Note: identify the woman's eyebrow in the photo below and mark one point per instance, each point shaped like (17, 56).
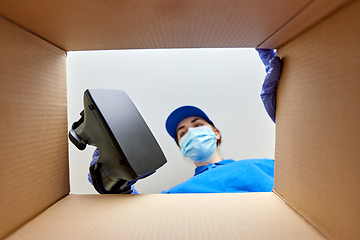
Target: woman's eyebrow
(180, 128)
(194, 120)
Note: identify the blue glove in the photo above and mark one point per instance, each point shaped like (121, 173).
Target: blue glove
(131, 183)
(94, 159)
(273, 66)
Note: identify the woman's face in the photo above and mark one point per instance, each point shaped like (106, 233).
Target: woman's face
(193, 122)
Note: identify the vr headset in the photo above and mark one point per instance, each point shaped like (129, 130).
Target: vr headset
(128, 150)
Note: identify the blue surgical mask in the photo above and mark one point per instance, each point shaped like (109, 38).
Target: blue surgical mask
(199, 144)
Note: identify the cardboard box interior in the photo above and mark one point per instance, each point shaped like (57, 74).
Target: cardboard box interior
(34, 163)
(93, 25)
(184, 216)
(317, 167)
(317, 138)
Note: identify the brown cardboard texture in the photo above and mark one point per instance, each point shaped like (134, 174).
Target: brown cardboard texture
(318, 125)
(92, 25)
(317, 132)
(306, 18)
(184, 216)
(33, 146)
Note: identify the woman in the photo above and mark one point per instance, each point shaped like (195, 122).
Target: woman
(195, 134)
(198, 139)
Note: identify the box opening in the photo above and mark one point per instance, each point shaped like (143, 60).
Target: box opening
(224, 82)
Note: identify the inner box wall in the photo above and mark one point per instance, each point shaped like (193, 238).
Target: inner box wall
(169, 216)
(317, 130)
(34, 154)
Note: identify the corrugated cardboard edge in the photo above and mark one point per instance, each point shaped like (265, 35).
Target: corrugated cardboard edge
(34, 161)
(308, 17)
(33, 33)
(284, 201)
(169, 216)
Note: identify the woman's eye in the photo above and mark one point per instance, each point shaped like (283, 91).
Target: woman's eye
(198, 125)
(182, 134)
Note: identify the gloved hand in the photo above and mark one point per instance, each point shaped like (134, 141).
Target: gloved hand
(130, 188)
(273, 65)
(94, 159)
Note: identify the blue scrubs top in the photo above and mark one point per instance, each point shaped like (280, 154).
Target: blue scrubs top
(229, 176)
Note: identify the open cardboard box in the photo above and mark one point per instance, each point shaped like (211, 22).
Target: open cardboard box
(317, 171)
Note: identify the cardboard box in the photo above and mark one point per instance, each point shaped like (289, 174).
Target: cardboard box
(317, 180)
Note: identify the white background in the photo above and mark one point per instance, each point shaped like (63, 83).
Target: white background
(225, 83)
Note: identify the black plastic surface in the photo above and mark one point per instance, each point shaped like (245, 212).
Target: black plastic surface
(76, 140)
(108, 186)
(127, 148)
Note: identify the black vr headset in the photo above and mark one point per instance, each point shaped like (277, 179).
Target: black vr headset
(128, 150)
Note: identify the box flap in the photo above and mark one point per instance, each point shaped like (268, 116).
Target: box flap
(317, 130)
(161, 216)
(34, 169)
(92, 24)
